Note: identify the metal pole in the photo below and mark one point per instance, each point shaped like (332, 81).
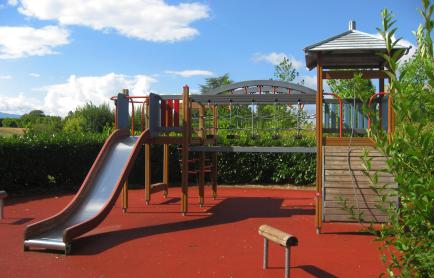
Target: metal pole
(265, 264)
(287, 258)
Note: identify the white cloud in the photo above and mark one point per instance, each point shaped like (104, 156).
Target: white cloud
(17, 42)
(13, 2)
(309, 81)
(190, 73)
(77, 91)
(410, 53)
(151, 20)
(403, 42)
(34, 74)
(275, 58)
(18, 104)
(5, 77)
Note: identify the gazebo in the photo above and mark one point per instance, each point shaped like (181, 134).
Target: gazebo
(340, 57)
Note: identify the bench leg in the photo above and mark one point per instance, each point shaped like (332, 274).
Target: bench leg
(265, 262)
(287, 260)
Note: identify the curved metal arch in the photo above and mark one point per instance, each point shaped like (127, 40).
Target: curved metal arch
(253, 86)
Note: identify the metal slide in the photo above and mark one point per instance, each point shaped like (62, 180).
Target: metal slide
(95, 198)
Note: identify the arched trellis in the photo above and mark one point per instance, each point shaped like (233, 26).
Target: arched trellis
(262, 86)
(259, 91)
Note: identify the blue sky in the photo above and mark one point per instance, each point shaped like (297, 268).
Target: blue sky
(57, 54)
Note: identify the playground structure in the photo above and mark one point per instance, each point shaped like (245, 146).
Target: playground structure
(167, 119)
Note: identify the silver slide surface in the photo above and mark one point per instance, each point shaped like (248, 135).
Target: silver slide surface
(105, 182)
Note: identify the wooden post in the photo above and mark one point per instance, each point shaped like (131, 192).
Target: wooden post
(201, 156)
(125, 197)
(3, 196)
(319, 98)
(147, 173)
(381, 89)
(125, 186)
(214, 154)
(185, 143)
(166, 169)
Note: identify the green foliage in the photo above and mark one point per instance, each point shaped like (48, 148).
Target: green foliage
(423, 33)
(9, 122)
(293, 168)
(357, 87)
(215, 82)
(89, 118)
(285, 71)
(46, 163)
(408, 240)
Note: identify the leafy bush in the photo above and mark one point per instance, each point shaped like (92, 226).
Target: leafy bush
(89, 118)
(408, 238)
(9, 122)
(46, 163)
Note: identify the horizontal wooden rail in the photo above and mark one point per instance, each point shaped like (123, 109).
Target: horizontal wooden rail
(277, 236)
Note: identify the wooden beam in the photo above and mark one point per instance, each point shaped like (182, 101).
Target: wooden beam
(125, 197)
(349, 74)
(165, 167)
(214, 155)
(147, 173)
(319, 134)
(356, 141)
(201, 156)
(185, 143)
(157, 187)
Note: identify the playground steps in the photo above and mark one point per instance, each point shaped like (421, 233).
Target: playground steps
(346, 185)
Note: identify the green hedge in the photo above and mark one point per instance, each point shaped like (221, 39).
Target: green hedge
(57, 163)
(44, 163)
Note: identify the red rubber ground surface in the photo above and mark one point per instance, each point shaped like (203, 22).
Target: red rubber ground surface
(220, 240)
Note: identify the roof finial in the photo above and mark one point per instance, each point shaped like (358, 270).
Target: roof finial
(352, 25)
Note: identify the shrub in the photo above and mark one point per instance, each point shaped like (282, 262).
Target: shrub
(46, 163)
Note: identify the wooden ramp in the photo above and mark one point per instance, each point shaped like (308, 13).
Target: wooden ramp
(344, 179)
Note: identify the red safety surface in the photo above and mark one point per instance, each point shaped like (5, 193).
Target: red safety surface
(219, 240)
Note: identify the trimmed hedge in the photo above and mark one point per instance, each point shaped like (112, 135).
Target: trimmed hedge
(58, 163)
(46, 163)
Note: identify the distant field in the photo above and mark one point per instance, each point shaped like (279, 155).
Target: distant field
(9, 131)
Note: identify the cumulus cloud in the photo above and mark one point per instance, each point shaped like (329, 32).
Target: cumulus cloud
(151, 20)
(18, 42)
(190, 73)
(19, 104)
(77, 91)
(5, 77)
(402, 42)
(275, 58)
(309, 81)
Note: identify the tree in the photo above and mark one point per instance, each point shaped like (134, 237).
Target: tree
(9, 122)
(215, 82)
(285, 71)
(357, 87)
(89, 118)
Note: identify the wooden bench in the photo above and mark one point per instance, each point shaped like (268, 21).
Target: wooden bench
(3, 196)
(283, 239)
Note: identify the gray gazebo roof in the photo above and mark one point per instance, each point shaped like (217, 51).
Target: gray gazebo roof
(350, 49)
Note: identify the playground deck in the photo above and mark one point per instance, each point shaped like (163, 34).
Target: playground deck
(219, 240)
